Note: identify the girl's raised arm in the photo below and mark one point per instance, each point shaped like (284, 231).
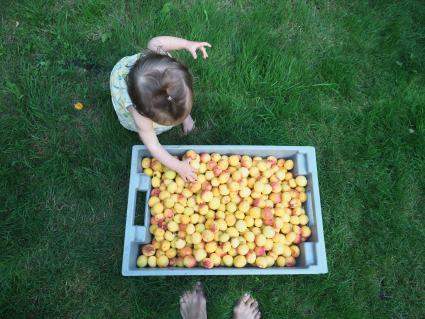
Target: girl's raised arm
(168, 43)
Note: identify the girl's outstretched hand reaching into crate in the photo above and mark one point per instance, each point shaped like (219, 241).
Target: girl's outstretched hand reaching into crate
(149, 138)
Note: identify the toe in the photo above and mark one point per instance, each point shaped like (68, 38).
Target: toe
(245, 298)
(199, 289)
(254, 305)
(257, 316)
(250, 301)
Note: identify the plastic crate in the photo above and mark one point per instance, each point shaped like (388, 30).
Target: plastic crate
(312, 259)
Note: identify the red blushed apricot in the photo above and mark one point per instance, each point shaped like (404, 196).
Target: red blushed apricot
(148, 250)
(169, 213)
(211, 165)
(268, 222)
(155, 192)
(205, 157)
(290, 261)
(172, 262)
(267, 213)
(207, 263)
(180, 262)
(260, 251)
(297, 240)
(189, 261)
(185, 251)
(162, 224)
(206, 186)
(217, 171)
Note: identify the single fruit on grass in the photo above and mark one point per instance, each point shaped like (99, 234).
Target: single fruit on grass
(142, 261)
(239, 261)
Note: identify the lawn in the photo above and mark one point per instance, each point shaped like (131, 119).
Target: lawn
(344, 76)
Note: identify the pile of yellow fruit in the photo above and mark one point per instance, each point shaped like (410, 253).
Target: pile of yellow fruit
(240, 211)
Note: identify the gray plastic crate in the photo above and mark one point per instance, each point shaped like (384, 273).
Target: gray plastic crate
(312, 259)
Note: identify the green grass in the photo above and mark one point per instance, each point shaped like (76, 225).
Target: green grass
(346, 77)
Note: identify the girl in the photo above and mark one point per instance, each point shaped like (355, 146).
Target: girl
(152, 92)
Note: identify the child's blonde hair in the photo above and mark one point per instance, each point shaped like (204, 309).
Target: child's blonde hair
(160, 88)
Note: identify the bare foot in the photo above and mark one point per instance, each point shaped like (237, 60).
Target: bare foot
(188, 125)
(193, 303)
(247, 308)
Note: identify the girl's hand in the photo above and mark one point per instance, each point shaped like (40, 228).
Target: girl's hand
(188, 125)
(187, 172)
(193, 46)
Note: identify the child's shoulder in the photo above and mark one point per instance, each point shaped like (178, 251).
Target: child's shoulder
(128, 61)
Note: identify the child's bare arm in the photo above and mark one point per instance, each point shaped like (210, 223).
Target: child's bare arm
(149, 138)
(168, 43)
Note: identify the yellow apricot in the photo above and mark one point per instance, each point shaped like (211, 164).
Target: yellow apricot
(227, 260)
(152, 261)
(239, 261)
(142, 261)
(211, 247)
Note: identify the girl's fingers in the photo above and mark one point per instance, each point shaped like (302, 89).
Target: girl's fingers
(193, 52)
(206, 44)
(204, 52)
